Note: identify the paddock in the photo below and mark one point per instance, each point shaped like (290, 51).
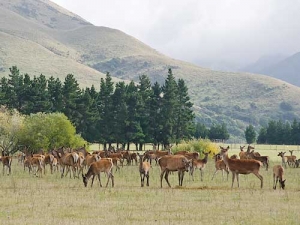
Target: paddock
(50, 199)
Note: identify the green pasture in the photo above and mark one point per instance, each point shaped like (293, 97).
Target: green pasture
(26, 199)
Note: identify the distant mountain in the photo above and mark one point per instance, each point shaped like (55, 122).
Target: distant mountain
(262, 63)
(280, 67)
(287, 70)
(40, 37)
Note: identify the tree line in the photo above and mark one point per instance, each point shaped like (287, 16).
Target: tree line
(118, 113)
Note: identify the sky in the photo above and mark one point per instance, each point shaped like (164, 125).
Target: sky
(211, 33)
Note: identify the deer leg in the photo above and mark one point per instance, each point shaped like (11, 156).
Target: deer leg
(99, 180)
(261, 179)
(215, 174)
(238, 179)
(92, 180)
(179, 177)
(142, 179)
(112, 179)
(274, 182)
(147, 176)
(233, 177)
(161, 176)
(201, 173)
(166, 177)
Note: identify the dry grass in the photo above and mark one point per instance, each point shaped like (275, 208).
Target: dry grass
(52, 200)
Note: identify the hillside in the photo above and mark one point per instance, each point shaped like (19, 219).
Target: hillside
(40, 37)
(283, 68)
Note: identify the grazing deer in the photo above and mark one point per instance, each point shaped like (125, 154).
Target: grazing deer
(278, 172)
(241, 166)
(6, 161)
(169, 163)
(144, 168)
(104, 165)
(199, 164)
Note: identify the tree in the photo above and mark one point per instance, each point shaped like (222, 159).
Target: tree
(134, 132)
(218, 131)
(10, 123)
(71, 97)
(184, 125)
(155, 117)
(105, 108)
(47, 131)
(169, 109)
(120, 113)
(201, 131)
(250, 134)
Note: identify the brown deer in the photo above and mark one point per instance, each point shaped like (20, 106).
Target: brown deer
(6, 161)
(199, 164)
(169, 163)
(242, 154)
(278, 172)
(104, 165)
(291, 160)
(144, 168)
(220, 165)
(67, 160)
(283, 159)
(241, 166)
(35, 164)
(263, 159)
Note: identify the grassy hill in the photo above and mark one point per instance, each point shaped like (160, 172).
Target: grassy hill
(41, 37)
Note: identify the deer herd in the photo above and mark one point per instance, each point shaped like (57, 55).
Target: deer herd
(74, 161)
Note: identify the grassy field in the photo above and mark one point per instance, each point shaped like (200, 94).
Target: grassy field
(51, 200)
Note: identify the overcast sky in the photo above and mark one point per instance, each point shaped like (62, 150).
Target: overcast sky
(236, 32)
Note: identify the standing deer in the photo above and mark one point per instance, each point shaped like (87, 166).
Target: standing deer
(241, 166)
(169, 163)
(6, 161)
(278, 172)
(199, 164)
(220, 165)
(144, 168)
(283, 162)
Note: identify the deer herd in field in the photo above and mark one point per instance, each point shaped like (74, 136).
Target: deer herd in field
(74, 161)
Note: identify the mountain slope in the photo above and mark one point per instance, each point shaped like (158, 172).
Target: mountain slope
(40, 37)
(287, 69)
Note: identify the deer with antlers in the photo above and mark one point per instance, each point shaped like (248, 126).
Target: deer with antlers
(278, 172)
(241, 166)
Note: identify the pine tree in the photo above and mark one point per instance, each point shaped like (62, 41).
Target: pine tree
(169, 109)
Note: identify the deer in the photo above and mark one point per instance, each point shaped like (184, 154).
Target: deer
(291, 160)
(169, 163)
(67, 160)
(104, 165)
(241, 166)
(199, 164)
(220, 165)
(6, 161)
(34, 163)
(283, 162)
(144, 168)
(278, 172)
(263, 159)
(242, 154)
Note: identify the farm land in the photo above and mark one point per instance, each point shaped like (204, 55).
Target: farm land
(50, 199)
